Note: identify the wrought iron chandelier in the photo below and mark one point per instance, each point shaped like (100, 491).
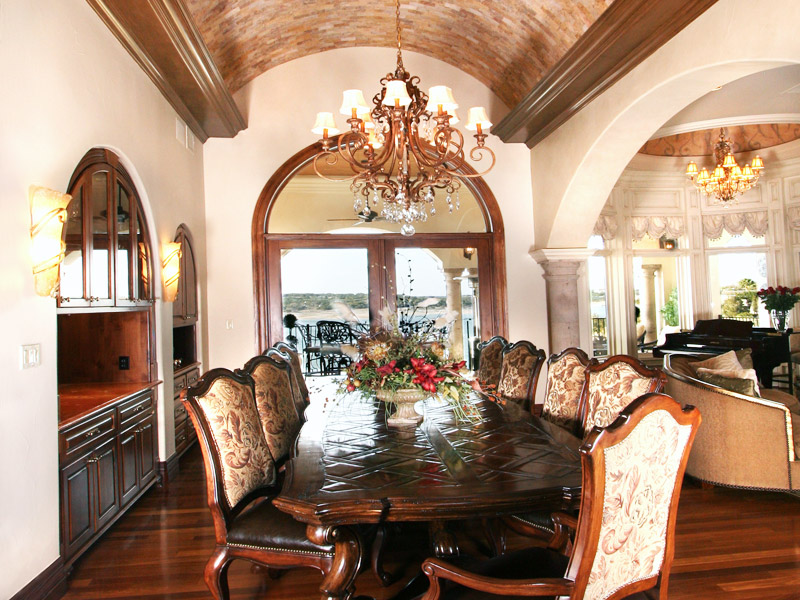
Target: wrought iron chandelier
(727, 179)
(403, 147)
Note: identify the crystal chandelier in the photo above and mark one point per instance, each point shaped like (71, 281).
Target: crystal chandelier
(401, 148)
(728, 178)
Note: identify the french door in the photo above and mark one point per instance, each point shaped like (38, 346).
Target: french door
(354, 277)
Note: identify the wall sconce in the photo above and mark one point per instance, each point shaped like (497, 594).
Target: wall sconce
(468, 252)
(171, 269)
(48, 215)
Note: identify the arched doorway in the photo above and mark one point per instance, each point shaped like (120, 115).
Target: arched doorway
(298, 235)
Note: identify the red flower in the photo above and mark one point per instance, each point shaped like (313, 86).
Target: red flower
(386, 369)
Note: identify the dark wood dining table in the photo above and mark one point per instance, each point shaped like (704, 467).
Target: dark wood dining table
(349, 469)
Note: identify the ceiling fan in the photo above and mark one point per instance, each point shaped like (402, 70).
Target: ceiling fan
(370, 217)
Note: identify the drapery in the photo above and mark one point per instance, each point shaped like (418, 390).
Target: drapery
(756, 222)
(655, 227)
(606, 227)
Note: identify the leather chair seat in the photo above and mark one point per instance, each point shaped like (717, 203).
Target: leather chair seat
(264, 526)
(538, 520)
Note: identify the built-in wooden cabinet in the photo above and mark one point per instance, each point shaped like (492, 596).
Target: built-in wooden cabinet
(185, 434)
(184, 309)
(107, 460)
(108, 261)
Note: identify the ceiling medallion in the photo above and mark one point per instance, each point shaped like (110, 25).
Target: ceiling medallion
(728, 179)
(403, 147)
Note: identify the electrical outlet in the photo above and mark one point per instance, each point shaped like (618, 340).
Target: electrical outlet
(30, 355)
(124, 363)
(229, 324)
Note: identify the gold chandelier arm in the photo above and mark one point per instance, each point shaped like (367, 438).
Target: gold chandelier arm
(477, 155)
(331, 159)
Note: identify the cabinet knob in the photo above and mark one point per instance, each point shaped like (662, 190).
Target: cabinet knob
(92, 460)
(93, 432)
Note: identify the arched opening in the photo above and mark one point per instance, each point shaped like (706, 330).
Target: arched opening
(298, 239)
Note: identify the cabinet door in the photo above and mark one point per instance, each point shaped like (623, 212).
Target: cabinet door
(100, 212)
(73, 285)
(190, 280)
(128, 475)
(147, 449)
(106, 490)
(125, 249)
(77, 520)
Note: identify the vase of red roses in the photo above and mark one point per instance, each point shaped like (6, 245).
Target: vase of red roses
(779, 301)
(402, 369)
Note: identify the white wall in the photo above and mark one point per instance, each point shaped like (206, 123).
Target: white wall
(68, 86)
(282, 104)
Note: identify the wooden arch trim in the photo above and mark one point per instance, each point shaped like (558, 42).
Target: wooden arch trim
(266, 201)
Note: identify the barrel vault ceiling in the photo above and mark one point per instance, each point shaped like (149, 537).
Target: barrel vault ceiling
(543, 58)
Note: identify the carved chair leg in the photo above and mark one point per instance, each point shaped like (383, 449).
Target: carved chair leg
(338, 583)
(495, 534)
(216, 573)
(443, 543)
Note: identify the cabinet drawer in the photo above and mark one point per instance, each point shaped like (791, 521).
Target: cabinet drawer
(182, 436)
(192, 376)
(87, 433)
(179, 383)
(180, 412)
(136, 407)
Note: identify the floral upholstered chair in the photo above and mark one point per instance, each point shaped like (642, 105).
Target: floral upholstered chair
(519, 373)
(625, 535)
(297, 370)
(276, 403)
(240, 478)
(565, 379)
(612, 385)
(491, 361)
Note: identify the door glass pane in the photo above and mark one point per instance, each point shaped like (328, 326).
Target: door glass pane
(98, 200)
(437, 294)
(326, 290)
(71, 285)
(143, 263)
(123, 215)
(656, 292)
(734, 279)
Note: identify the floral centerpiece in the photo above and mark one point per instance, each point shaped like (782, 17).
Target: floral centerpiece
(403, 368)
(779, 301)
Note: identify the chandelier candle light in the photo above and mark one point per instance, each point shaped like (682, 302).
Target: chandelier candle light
(728, 178)
(403, 147)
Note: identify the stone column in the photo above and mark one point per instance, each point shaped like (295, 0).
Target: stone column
(561, 274)
(648, 300)
(453, 281)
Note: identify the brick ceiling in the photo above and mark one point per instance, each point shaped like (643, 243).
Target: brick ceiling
(506, 44)
(744, 138)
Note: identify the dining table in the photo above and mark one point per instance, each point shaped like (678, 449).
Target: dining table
(349, 469)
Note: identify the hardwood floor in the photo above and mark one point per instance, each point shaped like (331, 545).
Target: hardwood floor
(730, 544)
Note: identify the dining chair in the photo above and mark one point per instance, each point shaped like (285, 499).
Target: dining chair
(276, 402)
(297, 369)
(625, 534)
(613, 384)
(240, 479)
(565, 379)
(332, 336)
(519, 374)
(490, 361)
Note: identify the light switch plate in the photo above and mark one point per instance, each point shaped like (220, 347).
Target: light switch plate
(30, 355)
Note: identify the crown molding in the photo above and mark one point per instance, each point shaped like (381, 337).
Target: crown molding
(625, 34)
(162, 38)
(543, 255)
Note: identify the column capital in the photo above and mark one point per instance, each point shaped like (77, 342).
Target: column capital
(544, 255)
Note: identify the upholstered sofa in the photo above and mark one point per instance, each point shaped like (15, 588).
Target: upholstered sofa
(744, 441)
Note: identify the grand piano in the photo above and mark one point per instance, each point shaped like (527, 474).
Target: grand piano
(716, 336)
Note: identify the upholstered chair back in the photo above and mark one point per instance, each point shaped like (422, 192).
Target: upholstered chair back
(275, 402)
(632, 474)
(566, 374)
(237, 459)
(491, 360)
(612, 385)
(297, 369)
(519, 373)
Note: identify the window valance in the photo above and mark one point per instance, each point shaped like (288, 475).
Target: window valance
(756, 222)
(655, 227)
(606, 227)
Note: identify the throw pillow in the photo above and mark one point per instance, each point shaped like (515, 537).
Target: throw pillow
(733, 384)
(749, 374)
(745, 358)
(727, 362)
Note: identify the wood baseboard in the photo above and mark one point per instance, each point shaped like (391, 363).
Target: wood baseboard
(50, 584)
(167, 469)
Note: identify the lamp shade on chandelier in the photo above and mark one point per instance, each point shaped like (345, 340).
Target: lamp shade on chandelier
(727, 179)
(401, 148)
